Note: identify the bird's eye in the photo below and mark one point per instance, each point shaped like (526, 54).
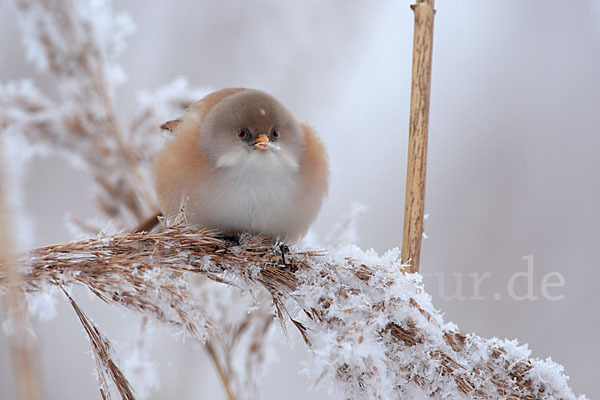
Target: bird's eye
(242, 133)
(275, 133)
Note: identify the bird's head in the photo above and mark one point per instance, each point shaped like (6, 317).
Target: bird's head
(252, 125)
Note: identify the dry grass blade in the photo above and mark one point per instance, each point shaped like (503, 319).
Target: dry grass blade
(222, 376)
(240, 346)
(102, 354)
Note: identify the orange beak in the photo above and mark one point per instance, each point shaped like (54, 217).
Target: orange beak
(262, 142)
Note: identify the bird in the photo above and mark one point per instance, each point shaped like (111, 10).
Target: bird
(239, 161)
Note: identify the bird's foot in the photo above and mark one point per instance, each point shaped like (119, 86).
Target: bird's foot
(283, 249)
(232, 239)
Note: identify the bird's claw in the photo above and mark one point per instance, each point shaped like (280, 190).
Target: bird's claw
(283, 249)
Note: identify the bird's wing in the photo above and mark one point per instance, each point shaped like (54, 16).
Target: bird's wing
(314, 165)
(170, 125)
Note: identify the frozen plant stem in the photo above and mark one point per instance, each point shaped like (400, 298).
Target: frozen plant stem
(106, 366)
(22, 344)
(414, 201)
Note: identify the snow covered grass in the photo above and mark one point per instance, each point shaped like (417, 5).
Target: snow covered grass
(372, 328)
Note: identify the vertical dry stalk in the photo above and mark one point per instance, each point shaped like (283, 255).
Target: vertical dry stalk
(418, 128)
(23, 350)
(222, 376)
